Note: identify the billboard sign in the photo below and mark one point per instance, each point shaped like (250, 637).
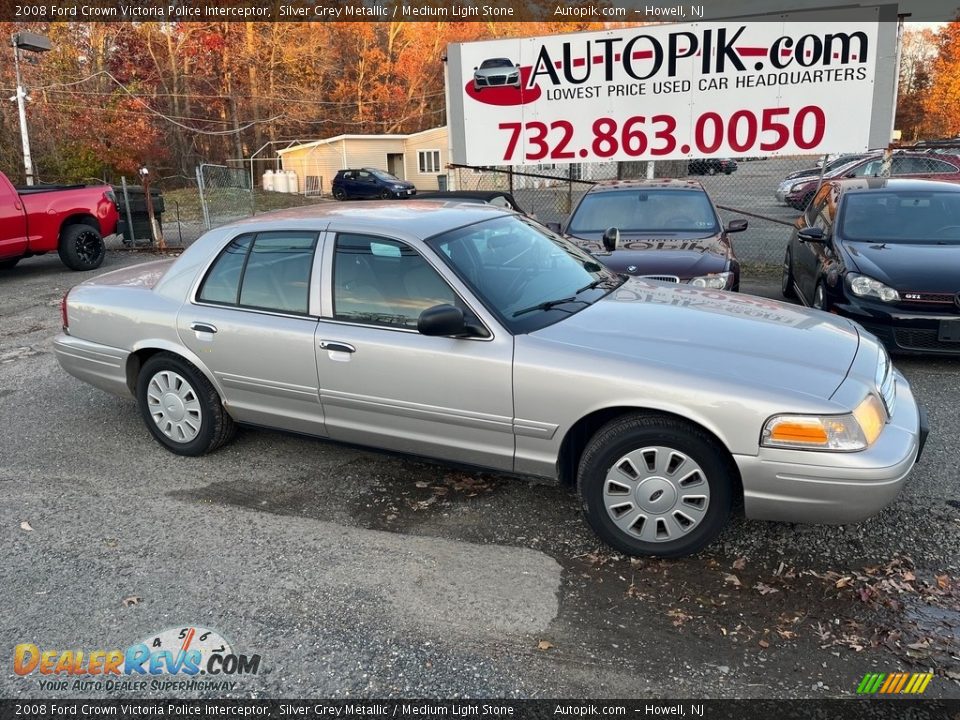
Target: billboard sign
(662, 92)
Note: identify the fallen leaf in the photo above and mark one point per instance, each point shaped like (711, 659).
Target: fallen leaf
(26, 526)
(544, 645)
(943, 581)
(843, 582)
(786, 634)
(422, 484)
(765, 589)
(763, 644)
(131, 600)
(920, 645)
(740, 563)
(732, 580)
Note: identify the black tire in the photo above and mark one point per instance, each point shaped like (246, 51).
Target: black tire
(81, 247)
(9, 264)
(711, 170)
(385, 195)
(339, 194)
(216, 427)
(820, 299)
(786, 283)
(645, 431)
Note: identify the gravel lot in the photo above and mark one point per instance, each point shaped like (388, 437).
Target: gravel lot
(355, 574)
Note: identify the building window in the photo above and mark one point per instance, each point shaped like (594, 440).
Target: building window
(429, 161)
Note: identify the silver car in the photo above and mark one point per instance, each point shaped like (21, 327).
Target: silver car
(471, 334)
(496, 72)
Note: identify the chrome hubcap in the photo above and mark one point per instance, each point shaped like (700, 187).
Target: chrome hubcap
(174, 406)
(656, 494)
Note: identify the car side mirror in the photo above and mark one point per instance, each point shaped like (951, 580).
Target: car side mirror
(445, 320)
(555, 226)
(611, 238)
(810, 234)
(737, 225)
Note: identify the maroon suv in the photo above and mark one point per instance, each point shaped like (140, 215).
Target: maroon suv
(660, 229)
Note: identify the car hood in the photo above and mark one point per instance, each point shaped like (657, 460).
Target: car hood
(685, 255)
(908, 266)
(495, 71)
(752, 339)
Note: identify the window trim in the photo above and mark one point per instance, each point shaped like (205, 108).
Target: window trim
(420, 164)
(318, 246)
(328, 288)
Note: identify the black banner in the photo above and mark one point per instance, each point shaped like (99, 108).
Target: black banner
(872, 708)
(573, 11)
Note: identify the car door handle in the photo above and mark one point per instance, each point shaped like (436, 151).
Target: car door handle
(335, 346)
(203, 327)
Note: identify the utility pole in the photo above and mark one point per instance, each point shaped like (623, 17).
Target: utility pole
(33, 43)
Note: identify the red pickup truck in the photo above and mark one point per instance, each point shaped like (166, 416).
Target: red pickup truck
(71, 219)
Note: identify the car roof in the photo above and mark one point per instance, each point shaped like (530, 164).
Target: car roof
(649, 184)
(905, 184)
(413, 218)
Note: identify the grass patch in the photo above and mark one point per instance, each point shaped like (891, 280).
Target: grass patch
(228, 200)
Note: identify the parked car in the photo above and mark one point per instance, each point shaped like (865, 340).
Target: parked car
(886, 253)
(499, 198)
(496, 72)
(471, 334)
(902, 164)
(667, 230)
(69, 219)
(368, 183)
(814, 173)
(711, 166)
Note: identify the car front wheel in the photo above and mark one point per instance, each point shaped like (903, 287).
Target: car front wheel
(820, 301)
(786, 281)
(655, 485)
(180, 406)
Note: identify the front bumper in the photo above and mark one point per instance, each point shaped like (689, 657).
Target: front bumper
(401, 194)
(99, 365)
(835, 488)
(902, 331)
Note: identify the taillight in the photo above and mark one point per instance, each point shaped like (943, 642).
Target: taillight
(63, 313)
(112, 197)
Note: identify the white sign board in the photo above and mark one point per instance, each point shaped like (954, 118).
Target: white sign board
(663, 92)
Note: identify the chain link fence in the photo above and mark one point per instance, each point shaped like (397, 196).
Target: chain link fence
(770, 193)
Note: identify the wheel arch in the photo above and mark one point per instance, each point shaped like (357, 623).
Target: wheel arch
(81, 219)
(576, 438)
(143, 351)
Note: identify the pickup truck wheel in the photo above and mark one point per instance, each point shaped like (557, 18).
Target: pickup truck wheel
(81, 247)
(180, 407)
(8, 264)
(653, 485)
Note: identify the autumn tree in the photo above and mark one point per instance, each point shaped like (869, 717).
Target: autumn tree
(941, 101)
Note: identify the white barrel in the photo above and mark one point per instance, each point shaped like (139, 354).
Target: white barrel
(268, 180)
(293, 183)
(280, 182)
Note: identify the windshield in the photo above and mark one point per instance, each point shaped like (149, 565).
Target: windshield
(496, 63)
(902, 217)
(384, 175)
(644, 210)
(514, 266)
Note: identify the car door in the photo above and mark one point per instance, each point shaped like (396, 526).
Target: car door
(367, 186)
(808, 255)
(384, 384)
(250, 323)
(13, 222)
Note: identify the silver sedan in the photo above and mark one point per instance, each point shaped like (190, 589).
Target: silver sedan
(471, 334)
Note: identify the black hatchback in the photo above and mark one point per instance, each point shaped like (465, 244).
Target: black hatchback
(369, 183)
(885, 253)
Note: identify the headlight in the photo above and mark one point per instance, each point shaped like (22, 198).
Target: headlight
(398, 187)
(840, 433)
(714, 281)
(863, 286)
(796, 186)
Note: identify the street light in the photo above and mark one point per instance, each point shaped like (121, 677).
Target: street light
(31, 42)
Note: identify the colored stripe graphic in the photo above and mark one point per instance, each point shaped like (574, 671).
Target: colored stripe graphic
(894, 683)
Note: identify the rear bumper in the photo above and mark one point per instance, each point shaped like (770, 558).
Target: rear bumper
(99, 365)
(836, 488)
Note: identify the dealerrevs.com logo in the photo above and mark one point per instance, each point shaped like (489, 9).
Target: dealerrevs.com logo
(178, 659)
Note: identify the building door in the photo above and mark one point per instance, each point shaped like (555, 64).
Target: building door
(395, 165)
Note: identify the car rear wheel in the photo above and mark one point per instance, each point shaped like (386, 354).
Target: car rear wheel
(180, 407)
(786, 283)
(655, 485)
(81, 247)
(339, 194)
